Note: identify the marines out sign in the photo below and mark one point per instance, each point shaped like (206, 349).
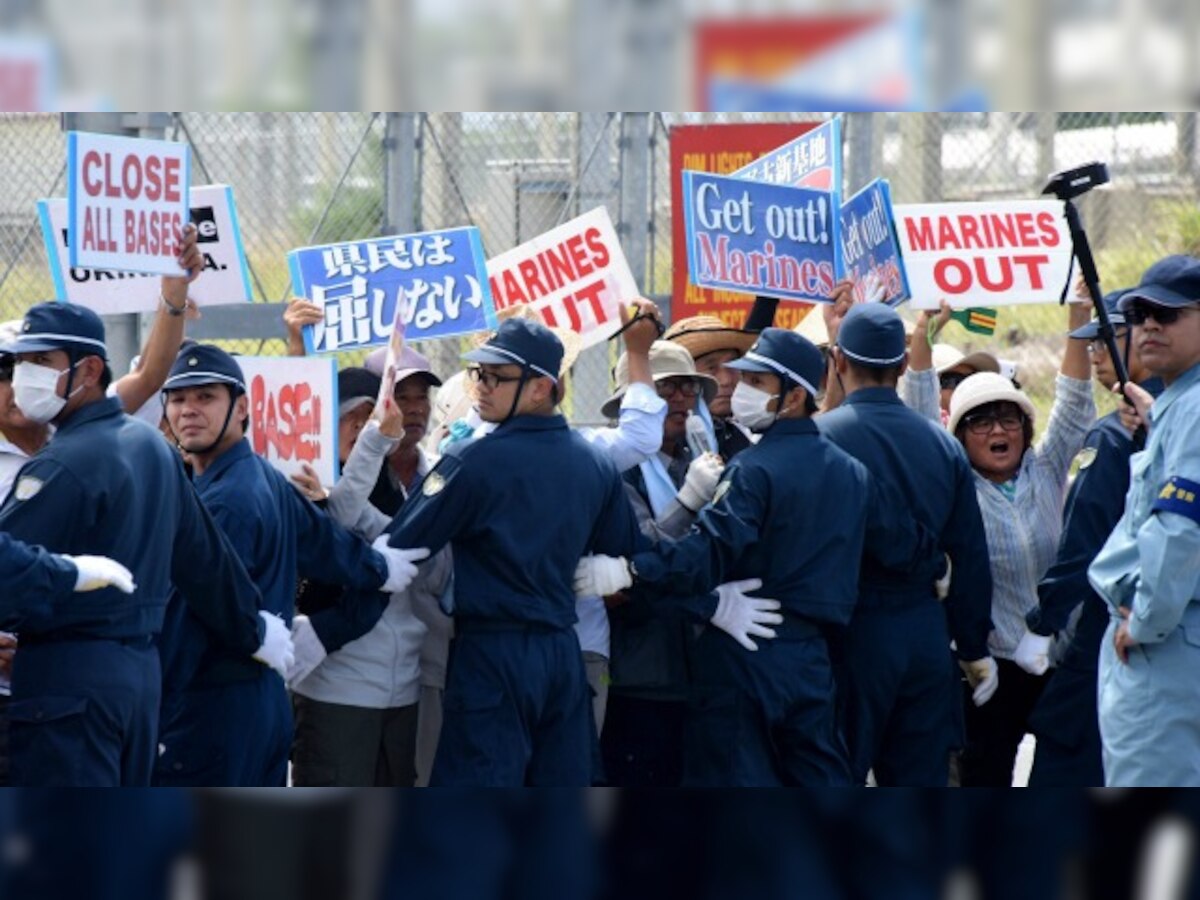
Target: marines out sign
(984, 254)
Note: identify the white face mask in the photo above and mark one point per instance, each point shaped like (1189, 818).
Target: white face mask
(35, 388)
(749, 406)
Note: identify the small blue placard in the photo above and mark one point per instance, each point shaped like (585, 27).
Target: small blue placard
(870, 251)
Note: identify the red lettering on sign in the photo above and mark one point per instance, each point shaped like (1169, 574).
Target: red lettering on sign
(998, 273)
(287, 426)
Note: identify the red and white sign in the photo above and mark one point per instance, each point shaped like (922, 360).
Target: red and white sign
(984, 254)
(575, 275)
(128, 202)
(293, 412)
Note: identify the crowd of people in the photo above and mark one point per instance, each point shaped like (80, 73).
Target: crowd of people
(839, 555)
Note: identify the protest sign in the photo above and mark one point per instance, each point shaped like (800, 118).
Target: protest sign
(720, 149)
(870, 252)
(226, 277)
(760, 238)
(574, 275)
(127, 202)
(293, 412)
(813, 160)
(984, 254)
(442, 274)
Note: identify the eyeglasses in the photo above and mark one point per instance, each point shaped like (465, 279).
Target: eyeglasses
(951, 380)
(668, 389)
(985, 422)
(490, 380)
(1138, 313)
(1094, 347)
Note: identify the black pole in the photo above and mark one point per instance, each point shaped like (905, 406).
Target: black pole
(1091, 277)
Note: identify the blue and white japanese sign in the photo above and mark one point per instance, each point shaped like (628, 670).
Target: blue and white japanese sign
(813, 160)
(870, 251)
(443, 274)
(760, 238)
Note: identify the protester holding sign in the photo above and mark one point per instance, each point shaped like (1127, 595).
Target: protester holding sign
(1020, 488)
(226, 723)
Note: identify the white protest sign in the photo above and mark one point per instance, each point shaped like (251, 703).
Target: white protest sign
(226, 277)
(127, 200)
(574, 275)
(293, 412)
(984, 254)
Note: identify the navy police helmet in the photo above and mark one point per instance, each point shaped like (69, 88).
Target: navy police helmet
(205, 364)
(60, 326)
(872, 335)
(524, 343)
(1116, 316)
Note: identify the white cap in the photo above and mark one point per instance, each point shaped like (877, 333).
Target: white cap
(981, 389)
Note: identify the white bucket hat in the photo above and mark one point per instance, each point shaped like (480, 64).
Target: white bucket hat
(981, 389)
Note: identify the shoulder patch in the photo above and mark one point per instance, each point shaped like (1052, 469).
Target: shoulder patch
(722, 490)
(1179, 496)
(27, 487)
(1085, 457)
(433, 484)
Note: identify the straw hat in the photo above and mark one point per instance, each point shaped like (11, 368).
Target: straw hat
(571, 341)
(946, 357)
(667, 360)
(708, 334)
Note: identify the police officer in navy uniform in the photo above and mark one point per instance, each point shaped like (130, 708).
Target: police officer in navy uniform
(900, 684)
(32, 579)
(792, 510)
(86, 680)
(520, 508)
(1064, 719)
(225, 720)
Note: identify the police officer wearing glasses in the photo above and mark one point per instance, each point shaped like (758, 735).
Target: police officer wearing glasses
(520, 507)
(1148, 571)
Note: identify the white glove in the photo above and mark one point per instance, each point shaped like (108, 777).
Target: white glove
(701, 480)
(97, 572)
(277, 650)
(984, 678)
(600, 576)
(740, 616)
(310, 652)
(401, 564)
(1033, 653)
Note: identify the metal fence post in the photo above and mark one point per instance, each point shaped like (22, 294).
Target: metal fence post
(400, 173)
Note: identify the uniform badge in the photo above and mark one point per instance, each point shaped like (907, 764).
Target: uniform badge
(193, 361)
(722, 490)
(433, 484)
(27, 487)
(1085, 457)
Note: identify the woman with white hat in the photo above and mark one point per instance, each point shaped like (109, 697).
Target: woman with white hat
(1020, 488)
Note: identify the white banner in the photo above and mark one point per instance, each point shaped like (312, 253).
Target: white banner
(293, 412)
(984, 254)
(226, 277)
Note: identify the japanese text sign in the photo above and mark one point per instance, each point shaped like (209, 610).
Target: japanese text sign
(442, 274)
(813, 160)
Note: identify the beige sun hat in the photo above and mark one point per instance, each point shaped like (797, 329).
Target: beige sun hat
(981, 389)
(667, 360)
(946, 357)
(708, 334)
(571, 341)
(813, 328)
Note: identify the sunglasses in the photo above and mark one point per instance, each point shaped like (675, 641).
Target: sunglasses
(983, 424)
(490, 380)
(668, 389)
(6, 369)
(1138, 313)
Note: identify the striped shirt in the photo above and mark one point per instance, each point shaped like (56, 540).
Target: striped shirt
(1023, 530)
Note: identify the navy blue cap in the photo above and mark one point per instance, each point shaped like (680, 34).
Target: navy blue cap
(1112, 301)
(784, 353)
(60, 326)
(872, 334)
(522, 342)
(1172, 281)
(204, 364)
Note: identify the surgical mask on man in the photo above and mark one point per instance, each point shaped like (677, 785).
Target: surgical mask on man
(35, 388)
(749, 406)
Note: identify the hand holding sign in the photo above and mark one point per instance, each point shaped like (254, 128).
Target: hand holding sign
(175, 287)
(387, 410)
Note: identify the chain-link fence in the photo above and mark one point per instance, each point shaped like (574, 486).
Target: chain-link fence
(304, 178)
